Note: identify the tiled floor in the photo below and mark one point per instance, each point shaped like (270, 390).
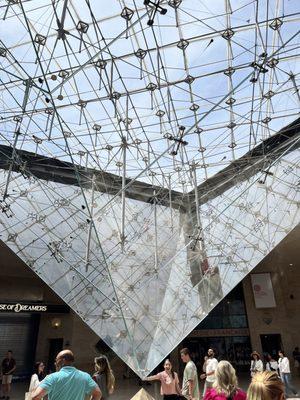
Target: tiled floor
(125, 389)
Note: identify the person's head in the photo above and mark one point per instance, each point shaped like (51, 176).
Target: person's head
(64, 358)
(39, 367)
(210, 353)
(266, 386)
(185, 355)
(102, 366)
(167, 365)
(9, 354)
(226, 380)
(297, 348)
(255, 356)
(281, 353)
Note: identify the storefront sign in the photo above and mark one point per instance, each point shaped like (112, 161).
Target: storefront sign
(33, 308)
(220, 332)
(263, 290)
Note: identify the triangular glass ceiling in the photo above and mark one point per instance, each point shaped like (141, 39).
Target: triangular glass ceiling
(112, 131)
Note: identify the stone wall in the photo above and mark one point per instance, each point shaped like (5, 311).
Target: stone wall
(283, 263)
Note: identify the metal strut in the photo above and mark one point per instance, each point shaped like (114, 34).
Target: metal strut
(61, 34)
(123, 194)
(155, 232)
(17, 133)
(88, 242)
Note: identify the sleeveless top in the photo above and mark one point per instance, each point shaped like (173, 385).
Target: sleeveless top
(100, 379)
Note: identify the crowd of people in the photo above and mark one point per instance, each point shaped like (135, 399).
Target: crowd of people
(269, 381)
(67, 383)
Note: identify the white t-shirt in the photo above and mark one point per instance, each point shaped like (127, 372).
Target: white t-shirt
(272, 365)
(284, 365)
(211, 365)
(34, 382)
(190, 374)
(256, 366)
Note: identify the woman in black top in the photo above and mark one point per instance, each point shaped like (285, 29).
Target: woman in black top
(104, 376)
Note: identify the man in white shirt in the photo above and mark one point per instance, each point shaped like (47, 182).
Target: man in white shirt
(210, 366)
(285, 373)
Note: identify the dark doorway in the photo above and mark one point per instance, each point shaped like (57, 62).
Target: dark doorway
(56, 345)
(19, 333)
(271, 344)
(236, 349)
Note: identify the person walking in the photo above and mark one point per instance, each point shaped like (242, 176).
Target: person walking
(8, 367)
(37, 376)
(285, 373)
(271, 364)
(68, 382)
(296, 357)
(266, 386)
(211, 364)
(225, 385)
(104, 376)
(256, 364)
(190, 385)
(169, 382)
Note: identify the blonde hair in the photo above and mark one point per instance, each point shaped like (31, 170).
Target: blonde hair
(226, 380)
(265, 386)
(102, 366)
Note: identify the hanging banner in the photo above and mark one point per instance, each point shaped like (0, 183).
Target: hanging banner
(263, 290)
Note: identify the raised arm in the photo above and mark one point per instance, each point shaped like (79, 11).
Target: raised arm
(152, 378)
